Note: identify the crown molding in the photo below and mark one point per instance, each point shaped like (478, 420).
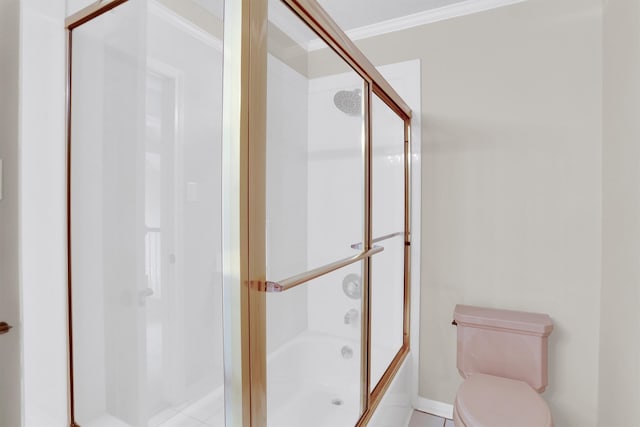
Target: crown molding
(185, 25)
(466, 7)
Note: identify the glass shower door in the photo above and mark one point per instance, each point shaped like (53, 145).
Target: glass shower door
(106, 219)
(147, 247)
(336, 241)
(388, 291)
(145, 223)
(314, 213)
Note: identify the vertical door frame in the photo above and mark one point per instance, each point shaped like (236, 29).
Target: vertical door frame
(70, 353)
(244, 251)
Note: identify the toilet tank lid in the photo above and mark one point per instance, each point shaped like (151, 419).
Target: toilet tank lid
(536, 323)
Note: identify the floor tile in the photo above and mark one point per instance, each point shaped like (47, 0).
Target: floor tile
(205, 408)
(217, 420)
(160, 418)
(105, 421)
(449, 423)
(181, 420)
(421, 419)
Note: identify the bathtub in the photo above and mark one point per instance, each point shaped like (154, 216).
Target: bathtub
(313, 380)
(311, 383)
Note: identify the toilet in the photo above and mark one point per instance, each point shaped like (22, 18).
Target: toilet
(502, 356)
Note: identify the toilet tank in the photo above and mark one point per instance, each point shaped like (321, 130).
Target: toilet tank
(504, 343)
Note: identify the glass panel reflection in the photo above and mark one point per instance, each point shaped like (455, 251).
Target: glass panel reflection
(314, 213)
(387, 268)
(146, 224)
(314, 152)
(313, 378)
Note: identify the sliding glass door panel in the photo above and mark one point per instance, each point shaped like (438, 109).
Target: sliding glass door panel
(315, 216)
(107, 245)
(388, 215)
(314, 152)
(145, 221)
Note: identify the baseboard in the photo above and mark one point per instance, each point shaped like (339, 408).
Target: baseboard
(434, 407)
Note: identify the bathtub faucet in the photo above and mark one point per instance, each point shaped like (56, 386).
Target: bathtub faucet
(351, 317)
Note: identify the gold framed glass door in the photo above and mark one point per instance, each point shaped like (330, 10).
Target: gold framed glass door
(144, 215)
(315, 230)
(299, 231)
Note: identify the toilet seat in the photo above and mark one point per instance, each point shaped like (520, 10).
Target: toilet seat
(489, 401)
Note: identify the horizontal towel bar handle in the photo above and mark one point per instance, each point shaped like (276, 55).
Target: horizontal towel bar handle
(299, 279)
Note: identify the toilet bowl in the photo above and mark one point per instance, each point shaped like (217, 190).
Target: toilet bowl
(490, 401)
(502, 355)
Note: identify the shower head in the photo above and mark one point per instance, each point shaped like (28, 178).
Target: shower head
(348, 101)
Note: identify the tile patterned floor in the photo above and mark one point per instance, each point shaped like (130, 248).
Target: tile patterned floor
(205, 412)
(422, 419)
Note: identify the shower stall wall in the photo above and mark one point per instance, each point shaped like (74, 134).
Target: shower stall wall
(239, 249)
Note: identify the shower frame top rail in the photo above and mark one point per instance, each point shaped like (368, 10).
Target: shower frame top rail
(92, 11)
(299, 279)
(314, 15)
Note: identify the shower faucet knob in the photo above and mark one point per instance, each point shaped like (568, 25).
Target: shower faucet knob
(351, 317)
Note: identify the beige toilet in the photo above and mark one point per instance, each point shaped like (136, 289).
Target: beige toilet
(502, 355)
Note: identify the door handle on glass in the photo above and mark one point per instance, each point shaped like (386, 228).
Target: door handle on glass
(4, 327)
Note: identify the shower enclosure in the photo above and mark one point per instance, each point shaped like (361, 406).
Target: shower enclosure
(238, 246)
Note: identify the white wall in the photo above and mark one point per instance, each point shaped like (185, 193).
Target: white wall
(42, 204)
(73, 6)
(195, 59)
(335, 203)
(620, 296)
(511, 183)
(286, 186)
(10, 343)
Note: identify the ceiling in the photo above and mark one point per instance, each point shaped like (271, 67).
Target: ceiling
(351, 14)
(365, 18)
(213, 6)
